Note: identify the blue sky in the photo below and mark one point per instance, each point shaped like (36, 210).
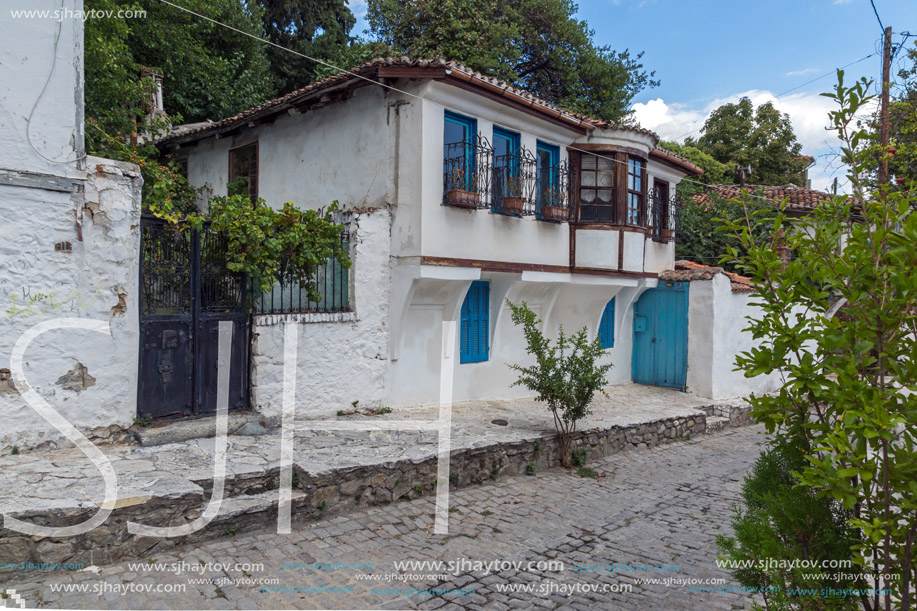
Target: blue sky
(708, 52)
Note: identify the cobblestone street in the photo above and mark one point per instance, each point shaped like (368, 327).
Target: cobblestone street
(654, 513)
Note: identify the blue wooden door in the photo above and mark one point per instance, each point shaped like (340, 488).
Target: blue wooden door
(660, 353)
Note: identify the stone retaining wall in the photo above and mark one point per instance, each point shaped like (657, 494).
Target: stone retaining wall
(251, 504)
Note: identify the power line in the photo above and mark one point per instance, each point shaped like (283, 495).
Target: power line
(879, 19)
(421, 98)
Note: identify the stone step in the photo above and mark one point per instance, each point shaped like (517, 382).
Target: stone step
(716, 423)
(162, 433)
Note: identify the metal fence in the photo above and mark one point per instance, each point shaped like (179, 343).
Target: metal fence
(290, 296)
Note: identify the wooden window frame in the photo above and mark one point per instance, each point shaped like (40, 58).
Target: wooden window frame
(252, 180)
(613, 188)
(641, 207)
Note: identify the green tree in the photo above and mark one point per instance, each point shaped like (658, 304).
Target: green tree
(740, 134)
(780, 527)
(317, 28)
(715, 172)
(536, 45)
(902, 166)
(847, 403)
(209, 72)
(566, 375)
(699, 239)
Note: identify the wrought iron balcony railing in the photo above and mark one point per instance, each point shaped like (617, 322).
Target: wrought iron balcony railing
(512, 184)
(662, 216)
(467, 173)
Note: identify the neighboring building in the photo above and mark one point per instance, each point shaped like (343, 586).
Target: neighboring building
(68, 240)
(799, 201)
(460, 193)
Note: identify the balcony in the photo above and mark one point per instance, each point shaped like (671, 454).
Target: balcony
(662, 216)
(516, 184)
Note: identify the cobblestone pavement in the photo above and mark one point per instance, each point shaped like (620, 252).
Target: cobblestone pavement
(658, 509)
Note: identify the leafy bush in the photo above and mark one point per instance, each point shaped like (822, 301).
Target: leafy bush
(781, 524)
(566, 374)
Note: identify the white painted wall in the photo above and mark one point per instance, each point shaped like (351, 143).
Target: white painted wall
(97, 280)
(344, 152)
(716, 319)
(41, 68)
(341, 361)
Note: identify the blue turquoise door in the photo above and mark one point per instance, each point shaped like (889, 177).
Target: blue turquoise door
(660, 353)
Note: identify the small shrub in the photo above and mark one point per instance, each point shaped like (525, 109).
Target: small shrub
(418, 488)
(229, 530)
(586, 472)
(385, 410)
(15, 450)
(341, 412)
(530, 468)
(537, 447)
(580, 455)
(566, 374)
(143, 420)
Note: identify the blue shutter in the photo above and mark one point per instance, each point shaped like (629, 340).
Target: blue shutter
(607, 326)
(475, 324)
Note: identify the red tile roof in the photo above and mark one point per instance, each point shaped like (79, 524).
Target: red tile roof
(686, 271)
(196, 131)
(798, 199)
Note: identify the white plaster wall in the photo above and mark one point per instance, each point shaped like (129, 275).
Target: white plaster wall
(342, 152)
(338, 362)
(457, 233)
(716, 319)
(633, 251)
(597, 249)
(41, 69)
(701, 312)
(97, 280)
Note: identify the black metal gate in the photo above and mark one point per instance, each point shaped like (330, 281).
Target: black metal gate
(185, 291)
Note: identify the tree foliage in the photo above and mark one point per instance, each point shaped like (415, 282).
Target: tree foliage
(847, 403)
(536, 45)
(902, 165)
(269, 244)
(780, 528)
(317, 28)
(740, 134)
(209, 72)
(699, 238)
(566, 374)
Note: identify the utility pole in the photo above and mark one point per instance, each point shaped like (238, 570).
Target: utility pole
(884, 118)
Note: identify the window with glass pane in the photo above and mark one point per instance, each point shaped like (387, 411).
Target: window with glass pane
(636, 179)
(597, 189)
(506, 176)
(458, 150)
(547, 156)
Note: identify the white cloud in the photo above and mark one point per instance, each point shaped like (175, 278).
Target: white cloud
(808, 114)
(802, 72)
(357, 7)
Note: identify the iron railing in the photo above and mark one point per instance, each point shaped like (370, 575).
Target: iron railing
(662, 216)
(512, 184)
(554, 193)
(467, 172)
(289, 296)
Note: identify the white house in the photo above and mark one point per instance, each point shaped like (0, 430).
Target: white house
(69, 237)
(461, 193)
